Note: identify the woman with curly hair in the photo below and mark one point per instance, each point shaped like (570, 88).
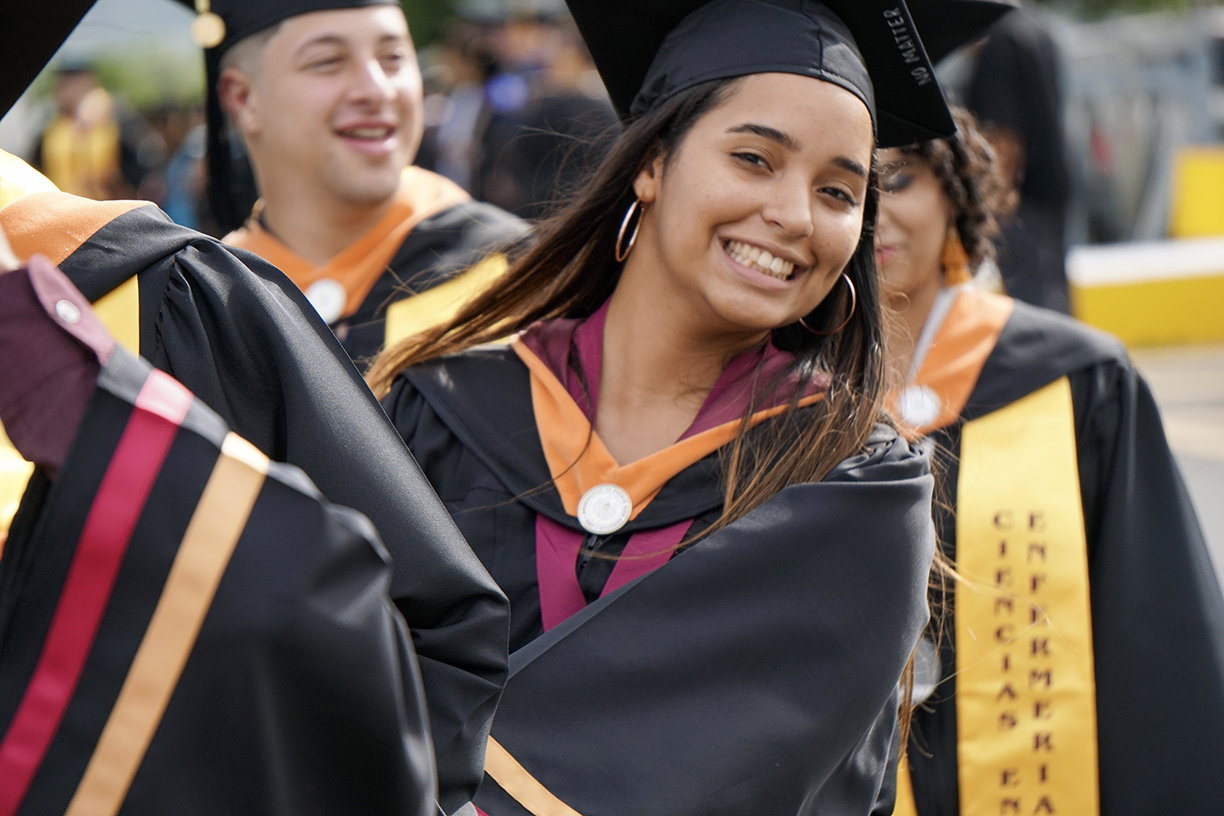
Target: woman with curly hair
(1083, 669)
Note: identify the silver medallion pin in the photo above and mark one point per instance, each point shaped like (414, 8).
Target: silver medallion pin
(328, 297)
(919, 405)
(604, 509)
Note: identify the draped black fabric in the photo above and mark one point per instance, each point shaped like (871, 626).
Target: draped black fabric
(240, 335)
(300, 693)
(1157, 613)
(755, 672)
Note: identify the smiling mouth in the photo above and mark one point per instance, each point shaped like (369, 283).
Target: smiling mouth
(368, 133)
(760, 259)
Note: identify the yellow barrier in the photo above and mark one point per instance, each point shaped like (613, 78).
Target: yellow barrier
(1151, 294)
(1198, 192)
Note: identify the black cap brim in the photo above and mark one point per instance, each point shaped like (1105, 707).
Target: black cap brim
(31, 31)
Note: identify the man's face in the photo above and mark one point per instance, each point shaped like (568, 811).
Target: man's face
(337, 103)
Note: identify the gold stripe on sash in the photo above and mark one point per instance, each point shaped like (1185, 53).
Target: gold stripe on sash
(521, 785)
(435, 306)
(214, 530)
(905, 791)
(120, 313)
(1025, 692)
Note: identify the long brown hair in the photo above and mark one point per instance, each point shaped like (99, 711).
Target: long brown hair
(571, 270)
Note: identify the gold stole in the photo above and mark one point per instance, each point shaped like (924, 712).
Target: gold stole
(1025, 689)
(120, 311)
(437, 305)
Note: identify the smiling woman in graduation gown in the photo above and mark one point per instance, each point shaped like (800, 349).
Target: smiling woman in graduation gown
(680, 643)
(1083, 668)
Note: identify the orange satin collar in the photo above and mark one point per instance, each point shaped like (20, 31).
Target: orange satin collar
(578, 459)
(359, 265)
(960, 348)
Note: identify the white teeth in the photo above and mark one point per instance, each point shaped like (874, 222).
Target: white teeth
(368, 133)
(760, 260)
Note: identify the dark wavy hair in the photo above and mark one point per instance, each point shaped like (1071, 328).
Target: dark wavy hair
(981, 198)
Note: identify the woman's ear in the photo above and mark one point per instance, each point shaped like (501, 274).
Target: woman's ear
(649, 178)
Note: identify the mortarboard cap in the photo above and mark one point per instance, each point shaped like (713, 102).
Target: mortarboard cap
(649, 50)
(31, 31)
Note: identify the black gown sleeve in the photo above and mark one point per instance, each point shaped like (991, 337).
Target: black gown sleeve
(1158, 617)
(244, 339)
(297, 692)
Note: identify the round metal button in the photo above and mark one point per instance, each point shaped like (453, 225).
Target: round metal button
(604, 509)
(919, 405)
(328, 297)
(67, 311)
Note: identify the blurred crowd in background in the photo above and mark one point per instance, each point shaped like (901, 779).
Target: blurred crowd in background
(515, 110)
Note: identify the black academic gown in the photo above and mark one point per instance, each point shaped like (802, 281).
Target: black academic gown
(296, 691)
(755, 672)
(242, 337)
(1157, 613)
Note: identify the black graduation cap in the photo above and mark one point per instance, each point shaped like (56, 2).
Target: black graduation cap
(648, 50)
(31, 31)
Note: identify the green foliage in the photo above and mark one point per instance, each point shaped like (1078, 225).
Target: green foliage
(426, 18)
(150, 78)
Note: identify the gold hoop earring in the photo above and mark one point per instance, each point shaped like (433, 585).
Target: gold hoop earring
(636, 206)
(844, 323)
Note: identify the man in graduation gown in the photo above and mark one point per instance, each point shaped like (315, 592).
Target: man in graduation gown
(245, 341)
(326, 95)
(1083, 670)
(185, 626)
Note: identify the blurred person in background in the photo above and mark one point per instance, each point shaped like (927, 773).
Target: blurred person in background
(326, 96)
(185, 179)
(467, 61)
(563, 132)
(82, 150)
(1015, 92)
(1076, 665)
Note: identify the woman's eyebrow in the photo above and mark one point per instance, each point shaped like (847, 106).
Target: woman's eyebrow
(851, 165)
(766, 132)
(783, 139)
